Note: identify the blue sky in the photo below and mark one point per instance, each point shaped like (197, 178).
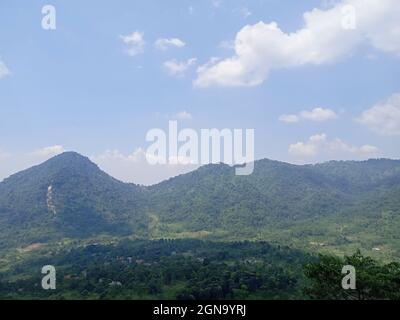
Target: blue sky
(79, 88)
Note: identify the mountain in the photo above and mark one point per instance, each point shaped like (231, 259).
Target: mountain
(67, 196)
(214, 196)
(335, 206)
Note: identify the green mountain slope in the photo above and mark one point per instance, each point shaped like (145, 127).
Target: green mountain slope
(213, 197)
(276, 192)
(335, 206)
(67, 196)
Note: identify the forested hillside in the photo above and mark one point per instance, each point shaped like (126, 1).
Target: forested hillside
(176, 269)
(67, 197)
(332, 207)
(197, 270)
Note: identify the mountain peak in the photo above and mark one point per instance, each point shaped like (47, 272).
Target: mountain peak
(70, 155)
(70, 159)
(67, 163)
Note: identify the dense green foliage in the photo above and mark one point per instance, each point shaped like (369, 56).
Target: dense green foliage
(334, 207)
(198, 270)
(167, 269)
(87, 202)
(374, 281)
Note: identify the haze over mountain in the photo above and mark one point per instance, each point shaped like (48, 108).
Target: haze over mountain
(333, 206)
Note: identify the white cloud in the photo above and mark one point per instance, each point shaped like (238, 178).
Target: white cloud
(135, 43)
(289, 118)
(135, 167)
(303, 149)
(317, 115)
(309, 148)
(4, 70)
(176, 68)
(383, 118)
(320, 145)
(368, 150)
(49, 151)
(325, 38)
(164, 44)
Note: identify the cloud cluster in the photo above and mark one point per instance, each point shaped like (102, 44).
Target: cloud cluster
(384, 117)
(135, 43)
(317, 115)
(289, 118)
(164, 44)
(327, 36)
(320, 145)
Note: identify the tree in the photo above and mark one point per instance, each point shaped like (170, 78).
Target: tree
(373, 280)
